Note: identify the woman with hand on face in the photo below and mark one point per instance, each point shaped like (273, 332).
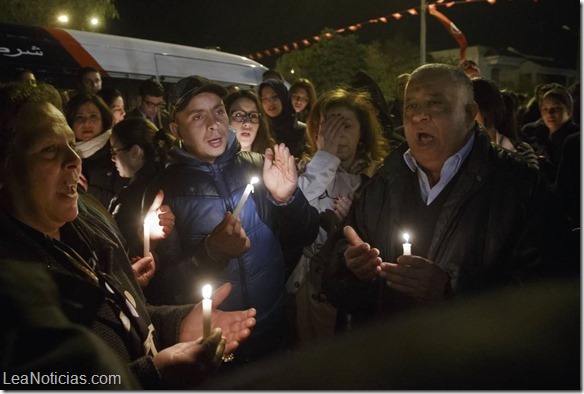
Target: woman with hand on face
(91, 121)
(138, 150)
(248, 120)
(46, 224)
(346, 146)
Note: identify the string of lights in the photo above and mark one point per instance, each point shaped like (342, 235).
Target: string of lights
(305, 42)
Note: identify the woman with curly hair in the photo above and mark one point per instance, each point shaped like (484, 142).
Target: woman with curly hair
(346, 147)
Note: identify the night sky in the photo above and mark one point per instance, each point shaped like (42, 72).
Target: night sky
(244, 27)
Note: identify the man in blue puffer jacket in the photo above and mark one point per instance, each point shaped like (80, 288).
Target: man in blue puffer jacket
(203, 182)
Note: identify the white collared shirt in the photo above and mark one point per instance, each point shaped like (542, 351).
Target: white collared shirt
(449, 169)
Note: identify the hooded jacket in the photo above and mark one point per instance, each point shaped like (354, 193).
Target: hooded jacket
(199, 194)
(285, 127)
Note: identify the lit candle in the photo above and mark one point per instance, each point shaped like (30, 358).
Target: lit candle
(207, 305)
(407, 245)
(150, 220)
(246, 192)
(146, 236)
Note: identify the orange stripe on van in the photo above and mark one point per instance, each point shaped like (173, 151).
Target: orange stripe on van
(75, 49)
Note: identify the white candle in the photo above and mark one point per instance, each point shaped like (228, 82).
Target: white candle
(246, 192)
(207, 306)
(146, 236)
(150, 221)
(407, 245)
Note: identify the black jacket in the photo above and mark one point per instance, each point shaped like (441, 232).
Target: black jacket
(102, 176)
(83, 300)
(127, 210)
(500, 225)
(548, 147)
(285, 128)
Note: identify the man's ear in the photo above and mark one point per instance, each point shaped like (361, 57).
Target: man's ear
(471, 110)
(174, 130)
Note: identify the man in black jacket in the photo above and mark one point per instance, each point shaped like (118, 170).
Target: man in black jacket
(478, 217)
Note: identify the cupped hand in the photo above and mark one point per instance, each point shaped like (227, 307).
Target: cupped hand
(416, 277)
(187, 364)
(360, 258)
(236, 325)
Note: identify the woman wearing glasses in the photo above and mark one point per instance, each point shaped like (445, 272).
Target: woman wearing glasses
(138, 150)
(248, 121)
(91, 121)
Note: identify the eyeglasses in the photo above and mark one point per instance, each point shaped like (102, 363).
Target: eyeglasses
(114, 152)
(151, 104)
(242, 117)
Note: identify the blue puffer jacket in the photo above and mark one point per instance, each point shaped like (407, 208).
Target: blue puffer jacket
(199, 194)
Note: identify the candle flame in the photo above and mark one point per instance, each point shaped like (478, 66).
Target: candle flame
(406, 237)
(207, 290)
(254, 180)
(151, 219)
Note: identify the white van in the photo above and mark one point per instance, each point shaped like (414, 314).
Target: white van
(57, 55)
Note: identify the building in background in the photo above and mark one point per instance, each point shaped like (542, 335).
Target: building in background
(511, 69)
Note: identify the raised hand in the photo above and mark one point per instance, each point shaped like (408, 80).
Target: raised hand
(360, 258)
(280, 174)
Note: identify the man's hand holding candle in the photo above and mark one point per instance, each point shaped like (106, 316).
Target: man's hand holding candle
(416, 277)
(227, 240)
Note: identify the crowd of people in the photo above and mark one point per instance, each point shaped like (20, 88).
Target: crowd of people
(314, 216)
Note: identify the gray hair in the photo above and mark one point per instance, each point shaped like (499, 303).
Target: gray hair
(453, 73)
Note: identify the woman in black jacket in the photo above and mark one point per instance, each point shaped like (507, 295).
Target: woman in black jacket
(138, 150)
(284, 126)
